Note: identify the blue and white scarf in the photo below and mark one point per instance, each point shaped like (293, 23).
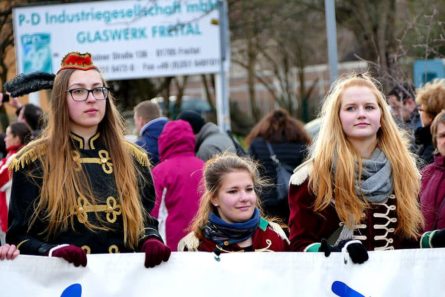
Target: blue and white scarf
(219, 231)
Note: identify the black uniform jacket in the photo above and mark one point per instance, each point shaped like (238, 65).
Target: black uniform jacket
(104, 209)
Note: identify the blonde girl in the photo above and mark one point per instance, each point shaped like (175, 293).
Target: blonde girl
(360, 182)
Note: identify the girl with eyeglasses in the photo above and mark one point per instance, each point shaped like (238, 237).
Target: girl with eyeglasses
(81, 188)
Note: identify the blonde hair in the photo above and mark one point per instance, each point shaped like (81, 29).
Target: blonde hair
(214, 172)
(61, 185)
(432, 97)
(332, 146)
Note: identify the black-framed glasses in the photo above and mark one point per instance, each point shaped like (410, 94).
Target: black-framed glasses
(81, 94)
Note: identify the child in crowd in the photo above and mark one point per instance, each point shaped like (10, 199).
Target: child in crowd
(229, 218)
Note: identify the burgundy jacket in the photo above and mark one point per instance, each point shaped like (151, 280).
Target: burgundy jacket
(265, 239)
(376, 231)
(432, 194)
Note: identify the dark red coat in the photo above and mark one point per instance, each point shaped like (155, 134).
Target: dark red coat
(432, 194)
(307, 226)
(265, 239)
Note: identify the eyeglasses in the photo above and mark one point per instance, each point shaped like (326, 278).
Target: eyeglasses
(81, 94)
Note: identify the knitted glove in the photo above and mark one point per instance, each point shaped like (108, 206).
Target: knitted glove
(70, 253)
(433, 239)
(355, 249)
(438, 239)
(155, 252)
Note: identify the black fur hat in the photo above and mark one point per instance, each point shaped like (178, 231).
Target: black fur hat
(24, 84)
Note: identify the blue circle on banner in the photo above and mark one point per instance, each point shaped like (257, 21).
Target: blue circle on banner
(75, 290)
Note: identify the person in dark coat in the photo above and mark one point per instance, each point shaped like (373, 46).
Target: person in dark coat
(289, 142)
(210, 140)
(402, 100)
(81, 187)
(431, 100)
(149, 125)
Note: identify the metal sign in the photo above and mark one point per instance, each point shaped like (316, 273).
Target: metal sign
(128, 39)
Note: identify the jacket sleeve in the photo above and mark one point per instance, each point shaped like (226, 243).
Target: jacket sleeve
(24, 195)
(307, 227)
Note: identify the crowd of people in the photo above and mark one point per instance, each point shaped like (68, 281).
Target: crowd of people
(373, 178)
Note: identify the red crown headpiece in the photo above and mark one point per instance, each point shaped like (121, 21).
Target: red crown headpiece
(76, 60)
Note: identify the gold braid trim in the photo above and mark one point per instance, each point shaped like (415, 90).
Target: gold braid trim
(138, 153)
(27, 155)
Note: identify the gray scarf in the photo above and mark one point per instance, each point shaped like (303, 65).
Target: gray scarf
(376, 180)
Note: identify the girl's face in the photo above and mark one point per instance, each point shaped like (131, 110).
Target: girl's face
(10, 139)
(85, 115)
(236, 198)
(360, 114)
(440, 138)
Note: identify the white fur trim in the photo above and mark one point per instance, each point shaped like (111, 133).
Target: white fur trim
(276, 227)
(188, 243)
(301, 173)
(345, 247)
(50, 254)
(162, 217)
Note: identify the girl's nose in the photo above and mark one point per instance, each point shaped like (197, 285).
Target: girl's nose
(361, 112)
(90, 97)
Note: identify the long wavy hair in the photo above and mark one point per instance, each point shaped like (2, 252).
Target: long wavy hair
(278, 126)
(332, 146)
(214, 172)
(61, 184)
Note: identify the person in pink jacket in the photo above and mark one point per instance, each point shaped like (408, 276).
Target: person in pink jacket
(177, 180)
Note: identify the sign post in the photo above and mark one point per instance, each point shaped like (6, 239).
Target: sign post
(222, 100)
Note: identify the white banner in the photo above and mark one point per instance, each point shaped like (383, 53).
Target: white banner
(394, 273)
(128, 39)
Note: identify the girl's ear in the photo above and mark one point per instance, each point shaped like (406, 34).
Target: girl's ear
(214, 201)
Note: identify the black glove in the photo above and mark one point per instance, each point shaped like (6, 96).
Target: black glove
(355, 248)
(438, 239)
